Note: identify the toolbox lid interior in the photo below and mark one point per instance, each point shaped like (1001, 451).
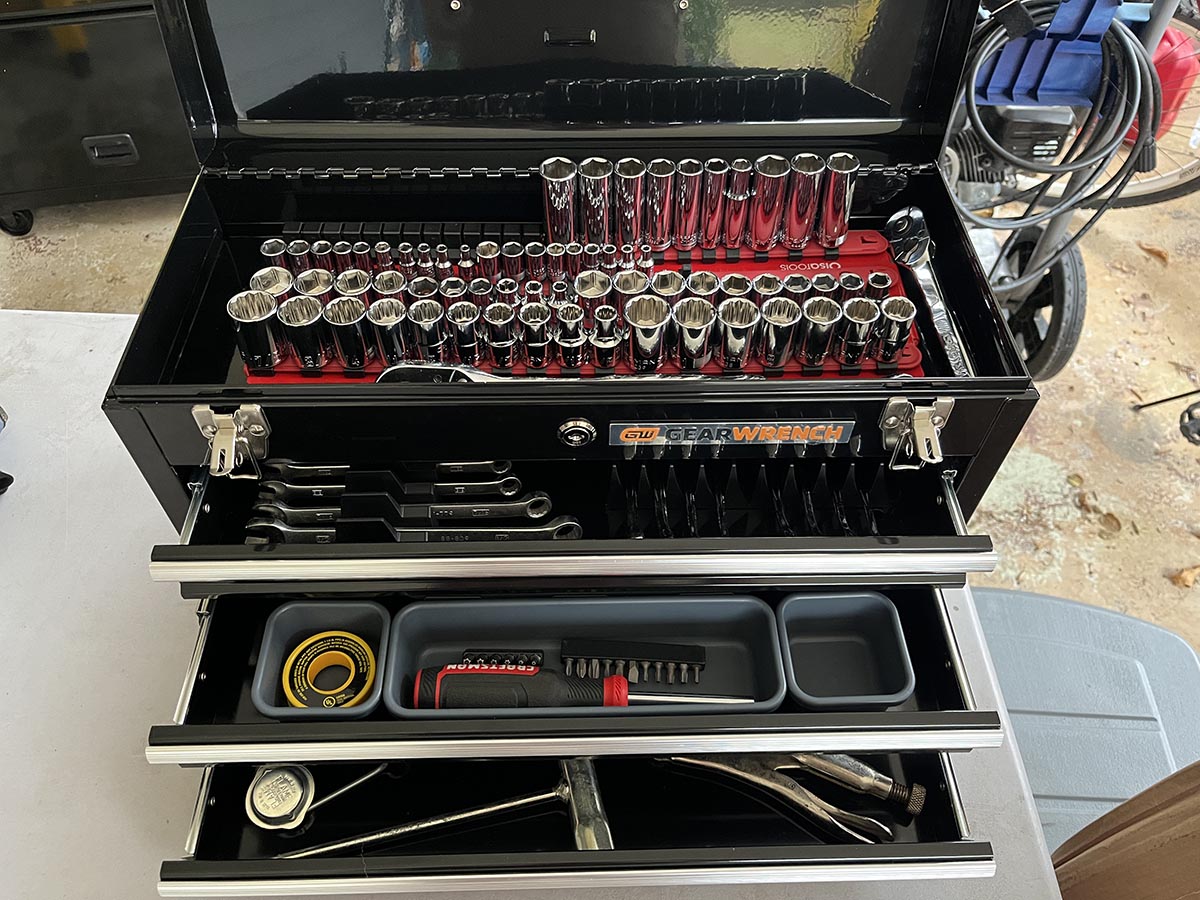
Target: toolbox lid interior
(364, 83)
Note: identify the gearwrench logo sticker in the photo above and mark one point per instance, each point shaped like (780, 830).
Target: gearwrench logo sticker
(691, 434)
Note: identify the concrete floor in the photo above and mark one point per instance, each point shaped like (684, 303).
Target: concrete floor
(1095, 503)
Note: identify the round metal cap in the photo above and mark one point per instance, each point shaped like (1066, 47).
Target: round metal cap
(279, 796)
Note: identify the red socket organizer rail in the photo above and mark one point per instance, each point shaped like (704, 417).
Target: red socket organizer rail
(862, 253)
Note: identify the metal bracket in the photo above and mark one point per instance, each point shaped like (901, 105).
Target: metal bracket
(238, 439)
(913, 432)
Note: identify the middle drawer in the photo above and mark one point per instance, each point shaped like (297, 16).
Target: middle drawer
(223, 715)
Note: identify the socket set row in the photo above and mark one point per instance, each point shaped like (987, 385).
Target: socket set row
(634, 316)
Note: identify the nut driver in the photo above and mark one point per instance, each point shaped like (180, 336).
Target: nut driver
(281, 797)
(535, 505)
(261, 530)
(762, 771)
(295, 472)
(577, 788)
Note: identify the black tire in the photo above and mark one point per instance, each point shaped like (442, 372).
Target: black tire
(1047, 346)
(19, 223)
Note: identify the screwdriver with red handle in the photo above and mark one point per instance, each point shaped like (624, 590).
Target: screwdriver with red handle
(473, 686)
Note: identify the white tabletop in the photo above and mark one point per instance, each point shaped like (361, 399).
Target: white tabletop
(96, 652)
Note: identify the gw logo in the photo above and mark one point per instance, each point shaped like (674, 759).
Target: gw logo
(640, 435)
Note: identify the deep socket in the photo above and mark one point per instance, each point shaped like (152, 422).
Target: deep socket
(512, 260)
(592, 288)
(443, 268)
(479, 290)
(628, 188)
(712, 205)
(737, 322)
(660, 200)
(627, 284)
(451, 290)
(647, 318)
(260, 337)
(837, 196)
(322, 254)
(305, 331)
(388, 316)
(556, 262)
(360, 251)
(406, 260)
(352, 338)
(425, 264)
(859, 316)
(274, 280)
(536, 323)
(353, 283)
(735, 284)
(558, 199)
(879, 285)
(767, 200)
(803, 200)
(537, 267)
(703, 284)
(606, 338)
(487, 259)
(464, 267)
(463, 317)
(570, 337)
(422, 288)
(298, 256)
(826, 285)
(689, 185)
(507, 291)
(595, 192)
(853, 285)
(382, 256)
(694, 318)
(274, 251)
(389, 283)
(737, 203)
(780, 315)
(819, 318)
(797, 286)
(343, 257)
(316, 283)
(500, 333)
(896, 316)
(574, 259)
(428, 320)
(765, 286)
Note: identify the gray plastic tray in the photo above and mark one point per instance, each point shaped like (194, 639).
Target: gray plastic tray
(294, 622)
(738, 633)
(845, 651)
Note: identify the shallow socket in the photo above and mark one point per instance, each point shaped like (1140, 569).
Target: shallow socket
(300, 311)
(251, 306)
(703, 284)
(345, 311)
(314, 282)
(352, 282)
(693, 312)
(735, 284)
(647, 311)
(781, 311)
(738, 313)
(386, 312)
(389, 282)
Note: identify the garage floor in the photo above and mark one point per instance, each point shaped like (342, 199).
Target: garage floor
(1096, 503)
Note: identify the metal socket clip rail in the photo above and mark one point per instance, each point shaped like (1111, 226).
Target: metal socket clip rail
(689, 203)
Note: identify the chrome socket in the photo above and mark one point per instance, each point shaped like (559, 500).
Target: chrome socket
(406, 260)
(512, 260)
(451, 290)
(592, 288)
(803, 200)
(422, 288)
(273, 280)
(304, 329)
(274, 251)
(780, 315)
(442, 267)
(737, 203)
(360, 252)
(608, 259)
(463, 317)
(479, 290)
(797, 286)
(389, 283)
(427, 319)
(735, 284)
(668, 284)
(389, 317)
(852, 284)
(322, 255)
(500, 333)
(694, 319)
(343, 256)
(896, 317)
(353, 283)
(606, 338)
(647, 317)
(764, 287)
(591, 256)
(536, 327)
(537, 267)
(689, 186)
(826, 285)
(628, 259)
(298, 256)
(628, 188)
(507, 291)
(574, 259)
(703, 284)
(260, 337)
(560, 294)
(660, 200)
(819, 318)
(767, 202)
(558, 198)
(645, 259)
(382, 253)
(487, 259)
(712, 206)
(837, 196)
(627, 284)
(570, 337)
(852, 344)
(595, 191)
(315, 283)
(425, 263)
(465, 267)
(879, 285)
(737, 322)
(346, 318)
(533, 292)
(556, 261)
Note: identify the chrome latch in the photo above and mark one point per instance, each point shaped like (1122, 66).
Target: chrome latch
(238, 439)
(913, 432)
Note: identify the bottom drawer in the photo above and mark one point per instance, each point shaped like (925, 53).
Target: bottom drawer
(646, 822)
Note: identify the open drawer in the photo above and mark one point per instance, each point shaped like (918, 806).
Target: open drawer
(643, 821)
(705, 521)
(218, 719)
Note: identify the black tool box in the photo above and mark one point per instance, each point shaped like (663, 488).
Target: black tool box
(419, 122)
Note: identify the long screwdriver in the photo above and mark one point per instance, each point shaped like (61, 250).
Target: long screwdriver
(471, 686)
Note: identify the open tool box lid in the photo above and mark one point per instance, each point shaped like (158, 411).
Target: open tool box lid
(369, 84)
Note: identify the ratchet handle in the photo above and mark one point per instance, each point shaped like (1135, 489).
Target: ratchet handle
(469, 686)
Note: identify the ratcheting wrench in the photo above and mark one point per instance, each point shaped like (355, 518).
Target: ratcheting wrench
(290, 470)
(561, 529)
(365, 506)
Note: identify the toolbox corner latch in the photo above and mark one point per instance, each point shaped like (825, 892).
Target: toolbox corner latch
(913, 431)
(238, 439)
